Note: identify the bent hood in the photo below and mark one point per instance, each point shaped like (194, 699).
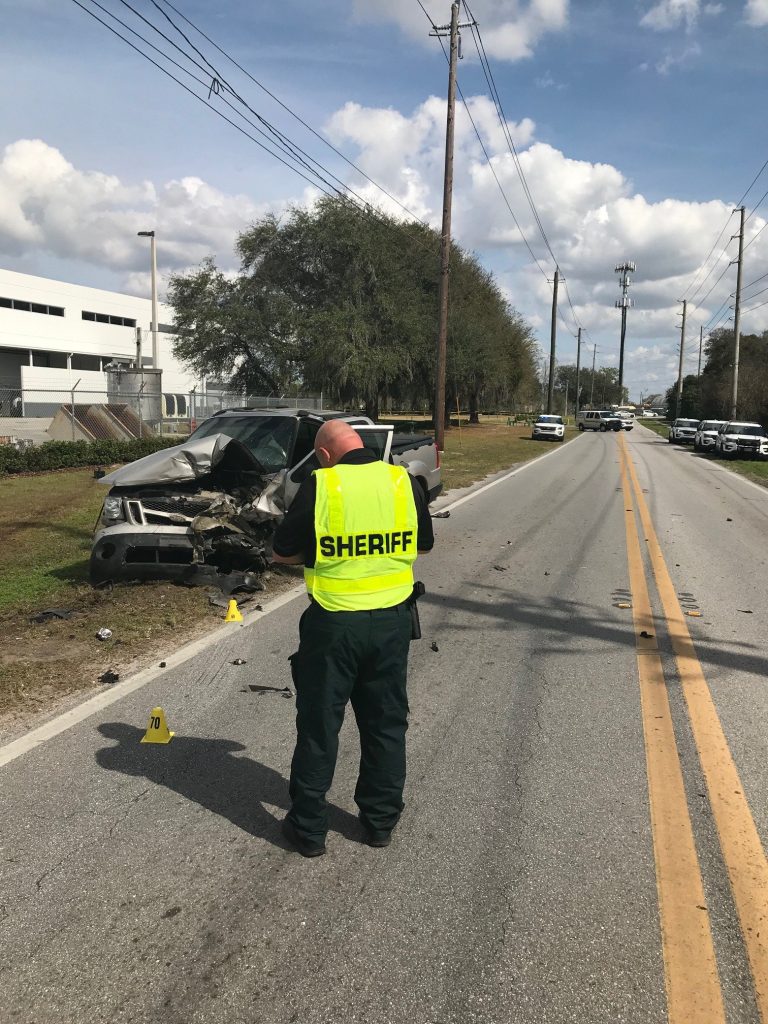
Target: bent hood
(183, 462)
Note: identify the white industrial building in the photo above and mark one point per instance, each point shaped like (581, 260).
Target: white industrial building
(55, 336)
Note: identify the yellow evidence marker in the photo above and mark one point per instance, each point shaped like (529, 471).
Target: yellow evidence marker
(157, 730)
(233, 612)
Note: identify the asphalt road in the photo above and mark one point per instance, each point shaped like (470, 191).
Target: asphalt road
(526, 879)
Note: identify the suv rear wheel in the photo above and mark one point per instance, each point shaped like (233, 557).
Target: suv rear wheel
(603, 426)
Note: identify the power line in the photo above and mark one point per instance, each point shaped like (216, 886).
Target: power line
(217, 81)
(365, 208)
(205, 103)
(503, 121)
(296, 116)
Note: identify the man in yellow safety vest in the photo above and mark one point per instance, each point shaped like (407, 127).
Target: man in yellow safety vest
(356, 525)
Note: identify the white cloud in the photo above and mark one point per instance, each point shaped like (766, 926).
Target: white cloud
(50, 207)
(670, 60)
(670, 14)
(511, 29)
(593, 217)
(712, 10)
(756, 12)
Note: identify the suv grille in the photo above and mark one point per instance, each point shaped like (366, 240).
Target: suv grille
(180, 505)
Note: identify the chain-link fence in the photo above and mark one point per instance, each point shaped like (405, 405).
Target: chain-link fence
(35, 415)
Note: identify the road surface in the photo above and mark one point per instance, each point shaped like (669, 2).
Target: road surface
(587, 807)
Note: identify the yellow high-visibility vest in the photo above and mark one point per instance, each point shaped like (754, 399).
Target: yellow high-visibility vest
(366, 528)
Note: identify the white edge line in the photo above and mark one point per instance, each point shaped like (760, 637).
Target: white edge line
(507, 476)
(103, 700)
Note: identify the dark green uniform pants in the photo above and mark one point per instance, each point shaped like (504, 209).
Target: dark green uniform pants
(362, 657)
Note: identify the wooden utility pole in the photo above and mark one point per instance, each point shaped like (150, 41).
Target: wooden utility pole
(592, 389)
(553, 344)
(737, 319)
(680, 371)
(578, 374)
(445, 238)
(701, 345)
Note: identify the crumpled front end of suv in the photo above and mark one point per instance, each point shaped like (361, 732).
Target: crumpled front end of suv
(208, 513)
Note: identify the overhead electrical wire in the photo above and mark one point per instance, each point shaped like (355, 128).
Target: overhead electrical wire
(504, 123)
(290, 150)
(294, 115)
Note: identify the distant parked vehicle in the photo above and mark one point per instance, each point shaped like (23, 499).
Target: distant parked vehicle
(746, 439)
(598, 419)
(627, 418)
(548, 428)
(706, 435)
(648, 414)
(683, 431)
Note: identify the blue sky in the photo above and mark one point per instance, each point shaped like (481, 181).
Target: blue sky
(638, 123)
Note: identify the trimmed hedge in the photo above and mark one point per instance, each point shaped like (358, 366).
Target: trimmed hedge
(74, 454)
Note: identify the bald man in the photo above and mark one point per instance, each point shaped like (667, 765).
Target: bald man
(356, 525)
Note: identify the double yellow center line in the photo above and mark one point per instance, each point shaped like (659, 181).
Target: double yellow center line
(693, 987)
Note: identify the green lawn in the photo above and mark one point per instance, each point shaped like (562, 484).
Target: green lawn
(660, 427)
(46, 524)
(476, 450)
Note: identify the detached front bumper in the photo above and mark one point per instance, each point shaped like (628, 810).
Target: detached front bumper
(128, 552)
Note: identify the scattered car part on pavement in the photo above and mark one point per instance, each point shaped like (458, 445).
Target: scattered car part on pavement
(103, 633)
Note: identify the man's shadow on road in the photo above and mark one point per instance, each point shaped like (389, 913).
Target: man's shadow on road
(208, 772)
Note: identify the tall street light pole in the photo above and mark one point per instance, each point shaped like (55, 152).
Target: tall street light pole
(153, 258)
(592, 389)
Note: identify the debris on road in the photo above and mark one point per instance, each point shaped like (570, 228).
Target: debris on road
(52, 613)
(104, 633)
(441, 515)
(239, 661)
(500, 568)
(162, 664)
(284, 691)
(433, 646)
(745, 611)
(623, 604)
(728, 519)
(644, 633)
(109, 676)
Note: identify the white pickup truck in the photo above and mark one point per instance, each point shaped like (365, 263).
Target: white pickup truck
(207, 508)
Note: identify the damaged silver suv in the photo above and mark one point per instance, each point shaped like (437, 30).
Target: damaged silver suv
(205, 511)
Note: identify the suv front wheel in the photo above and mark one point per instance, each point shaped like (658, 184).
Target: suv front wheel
(603, 426)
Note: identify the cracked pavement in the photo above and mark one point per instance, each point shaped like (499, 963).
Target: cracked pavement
(146, 883)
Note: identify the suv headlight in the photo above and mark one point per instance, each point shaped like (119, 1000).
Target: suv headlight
(113, 510)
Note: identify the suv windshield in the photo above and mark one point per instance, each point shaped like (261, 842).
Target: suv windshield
(711, 425)
(269, 438)
(747, 429)
(608, 415)
(549, 419)
(686, 423)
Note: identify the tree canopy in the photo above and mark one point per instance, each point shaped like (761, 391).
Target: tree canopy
(328, 299)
